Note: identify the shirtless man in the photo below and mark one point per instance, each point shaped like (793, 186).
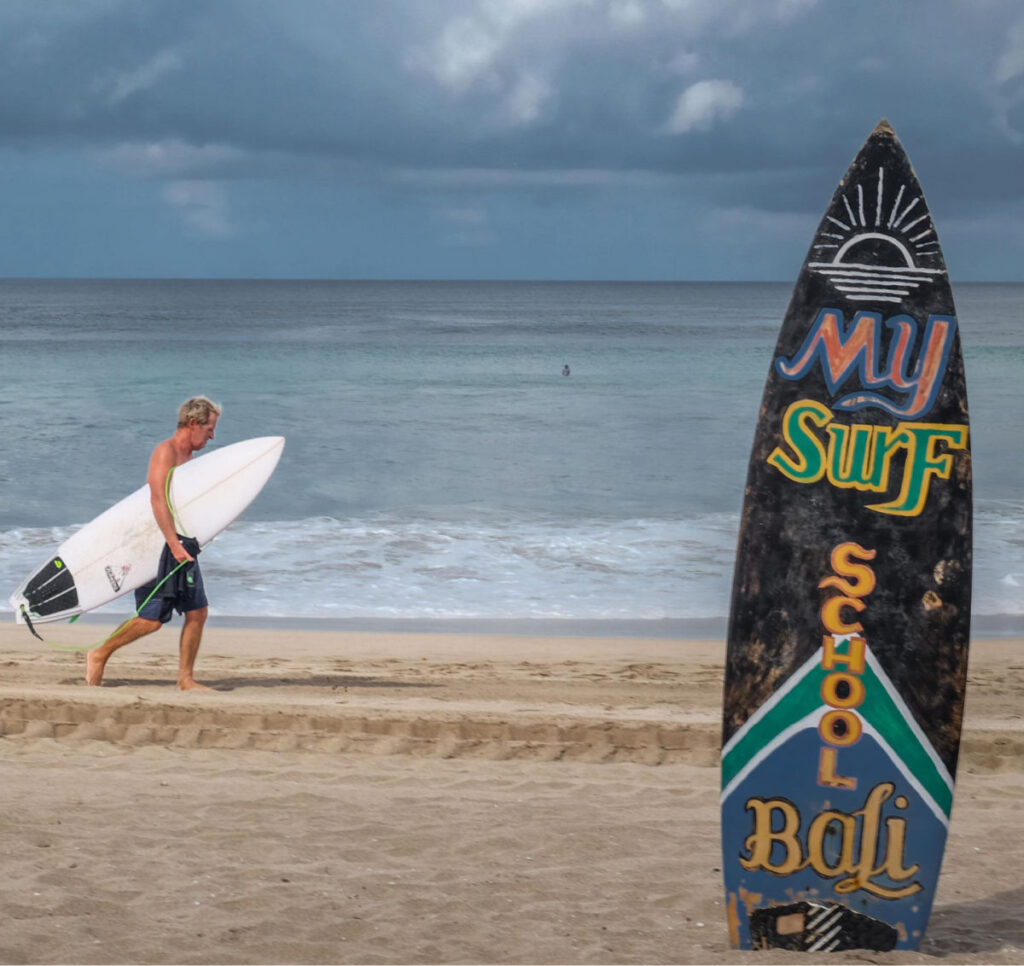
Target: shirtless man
(197, 420)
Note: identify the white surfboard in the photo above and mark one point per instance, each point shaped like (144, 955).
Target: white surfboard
(120, 550)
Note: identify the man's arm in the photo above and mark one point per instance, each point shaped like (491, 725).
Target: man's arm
(160, 466)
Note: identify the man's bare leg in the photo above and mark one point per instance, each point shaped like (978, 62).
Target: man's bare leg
(191, 635)
(96, 659)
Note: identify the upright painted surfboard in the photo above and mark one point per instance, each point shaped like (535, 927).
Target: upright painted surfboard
(850, 619)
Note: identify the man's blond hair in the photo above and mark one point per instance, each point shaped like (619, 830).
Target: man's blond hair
(198, 408)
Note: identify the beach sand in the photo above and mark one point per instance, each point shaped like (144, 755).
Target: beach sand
(348, 797)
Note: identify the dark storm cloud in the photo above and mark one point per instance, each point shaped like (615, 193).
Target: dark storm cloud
(534, 86)
(717, 106)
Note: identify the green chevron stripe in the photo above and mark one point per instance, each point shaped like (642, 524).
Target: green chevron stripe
(882, 708)
(894, 721)
(782, 710)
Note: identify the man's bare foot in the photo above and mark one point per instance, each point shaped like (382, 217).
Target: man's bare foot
(191, 684)
(95, 662)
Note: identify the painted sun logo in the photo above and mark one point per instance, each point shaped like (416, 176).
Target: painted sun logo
(898, 233)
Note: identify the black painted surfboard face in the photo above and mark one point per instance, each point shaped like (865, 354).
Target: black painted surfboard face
(876, 266)
(850, 621)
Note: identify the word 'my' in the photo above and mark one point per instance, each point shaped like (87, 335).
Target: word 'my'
(857, 351)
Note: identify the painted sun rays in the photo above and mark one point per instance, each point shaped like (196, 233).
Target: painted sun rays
(899, 234)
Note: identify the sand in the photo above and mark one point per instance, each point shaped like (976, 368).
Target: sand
(348, 797)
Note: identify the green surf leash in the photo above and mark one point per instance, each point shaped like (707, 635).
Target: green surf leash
(117, 630)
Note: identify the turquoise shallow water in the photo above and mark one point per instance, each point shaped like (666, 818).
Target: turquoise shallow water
(438, 464)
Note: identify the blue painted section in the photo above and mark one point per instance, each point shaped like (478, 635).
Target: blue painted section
(883, 813)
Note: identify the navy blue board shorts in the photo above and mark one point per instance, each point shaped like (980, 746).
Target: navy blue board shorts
(183, 596)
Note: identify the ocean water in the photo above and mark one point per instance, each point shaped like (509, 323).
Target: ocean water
(438, 464)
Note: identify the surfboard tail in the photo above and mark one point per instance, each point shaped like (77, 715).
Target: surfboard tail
(49, 594)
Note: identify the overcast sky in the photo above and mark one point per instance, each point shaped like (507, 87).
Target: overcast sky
(538, 139)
